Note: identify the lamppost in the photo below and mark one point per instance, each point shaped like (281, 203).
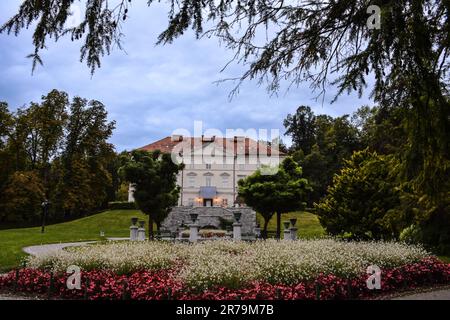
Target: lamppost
(45, 206)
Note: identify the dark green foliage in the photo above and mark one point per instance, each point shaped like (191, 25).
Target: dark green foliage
(301, 127)
(362, 199)
(122, 205)
(154, 177)
(320, 145)
(282, 192)
(61, 148)
(21, 198)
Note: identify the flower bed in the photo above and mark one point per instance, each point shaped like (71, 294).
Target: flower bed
(325, 269)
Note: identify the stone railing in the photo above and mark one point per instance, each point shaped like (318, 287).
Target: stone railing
(209, 217)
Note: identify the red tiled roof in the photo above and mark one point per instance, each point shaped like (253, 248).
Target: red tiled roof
(250, 146)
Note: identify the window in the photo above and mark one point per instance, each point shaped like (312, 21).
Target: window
(208, 181)
(225, 181)
(208, 166)
(224, 202)
(191, 181)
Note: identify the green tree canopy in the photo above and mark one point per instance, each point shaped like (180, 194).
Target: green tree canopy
(282, 192)
(21, 198)
(61, 146)
(154, 179)
(362, 200)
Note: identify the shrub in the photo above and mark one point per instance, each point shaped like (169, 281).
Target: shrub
(411, 235)
(362, 199)
(122, 205)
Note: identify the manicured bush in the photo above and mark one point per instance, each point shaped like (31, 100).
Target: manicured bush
(122, 205)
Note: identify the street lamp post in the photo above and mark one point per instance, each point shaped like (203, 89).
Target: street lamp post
(45, 206)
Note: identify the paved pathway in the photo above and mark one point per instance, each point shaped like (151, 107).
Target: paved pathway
(16, 297)
(432, 295)
(49, 248)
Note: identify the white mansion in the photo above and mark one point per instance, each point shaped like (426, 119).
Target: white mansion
(213, 166)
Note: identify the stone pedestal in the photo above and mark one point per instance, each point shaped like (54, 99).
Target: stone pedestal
(257, 232)
(134, 233)
(287, 234)
(193, 233)
(141, 234)
(293, 232)
(237, 231)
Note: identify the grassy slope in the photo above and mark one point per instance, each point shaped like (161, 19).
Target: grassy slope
(308, 224)
(114, 223)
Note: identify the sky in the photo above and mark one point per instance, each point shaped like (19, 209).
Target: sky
(153, 91)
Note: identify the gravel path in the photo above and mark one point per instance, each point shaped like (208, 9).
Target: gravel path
(49, 248)
(16, 297)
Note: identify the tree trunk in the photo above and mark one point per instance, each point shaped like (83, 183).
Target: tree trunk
(278, 236)
(158, 229)
(150, 228)
(264, 231)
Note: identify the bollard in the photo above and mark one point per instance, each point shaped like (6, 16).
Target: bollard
(193, 233)
(293, 232)
(50, 286)
(125, 292)
(237, 231)
(86, 289)
(134, 233)
(318, 289)
(141, 231)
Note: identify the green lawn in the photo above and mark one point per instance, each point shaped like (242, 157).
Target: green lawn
(114, 223)
(307, 223)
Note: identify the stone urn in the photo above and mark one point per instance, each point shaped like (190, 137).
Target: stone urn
(141, 224)
(194, 217)
(286, 225)
(237, 215)
(134, 221)
(293, 221)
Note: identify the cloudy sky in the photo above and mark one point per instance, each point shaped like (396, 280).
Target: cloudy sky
(149, 90)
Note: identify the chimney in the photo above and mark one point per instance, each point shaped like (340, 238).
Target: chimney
(208, 139)
(177, 138)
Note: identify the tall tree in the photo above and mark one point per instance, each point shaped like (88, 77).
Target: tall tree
(154, 177)
(45, 132)
(301, 127)
(6, 127)
(84, 178)
(279, 193)
(329, 142)
(21, 198)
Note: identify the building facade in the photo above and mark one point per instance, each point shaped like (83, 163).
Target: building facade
(213, 166)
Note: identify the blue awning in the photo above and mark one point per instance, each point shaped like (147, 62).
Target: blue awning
(208, 192)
